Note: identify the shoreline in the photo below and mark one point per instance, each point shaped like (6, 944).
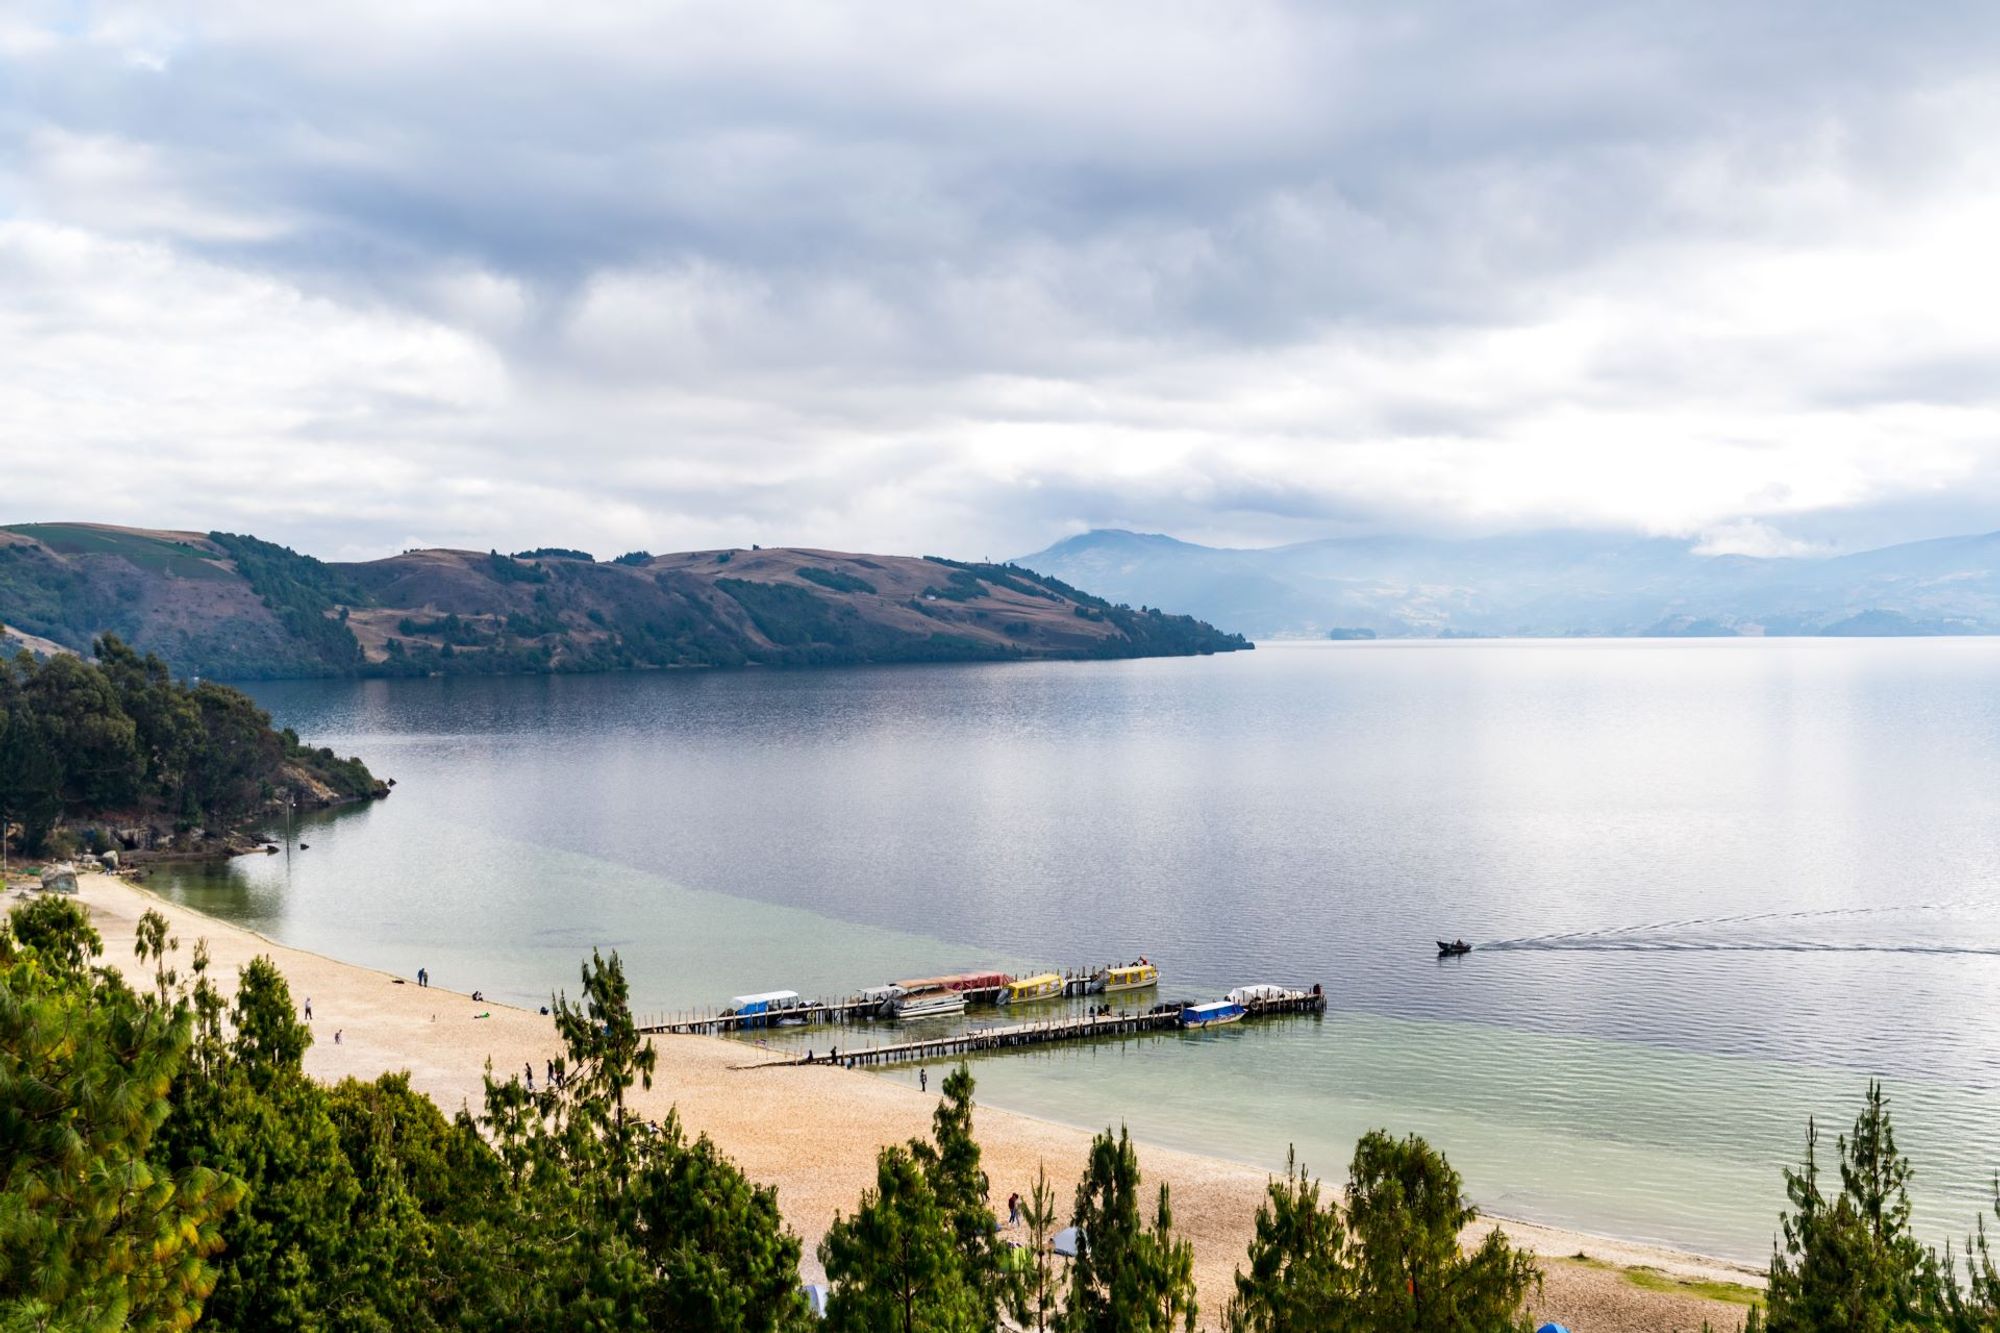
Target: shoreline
(813, 1131)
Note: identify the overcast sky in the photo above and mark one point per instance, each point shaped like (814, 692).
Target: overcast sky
(969, 277)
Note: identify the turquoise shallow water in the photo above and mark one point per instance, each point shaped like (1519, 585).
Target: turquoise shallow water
(1714, 885)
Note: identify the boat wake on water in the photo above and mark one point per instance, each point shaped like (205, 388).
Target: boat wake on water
(1561, 945)
(1728, 934)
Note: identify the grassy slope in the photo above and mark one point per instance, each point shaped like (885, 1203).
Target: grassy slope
(232, 606)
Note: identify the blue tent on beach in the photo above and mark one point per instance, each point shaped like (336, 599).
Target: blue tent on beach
(1552, 1328)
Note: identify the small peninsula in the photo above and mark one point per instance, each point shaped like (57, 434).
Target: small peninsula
(113, 757)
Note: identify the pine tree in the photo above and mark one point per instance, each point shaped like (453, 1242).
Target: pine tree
(950, 1162)
(715, 1246)
(1038, 1295)
(1299, 1280)
(1850, 1261)
(250, 1110)
(894, 1264)
(610, 1219)
(1405, 1210)
(1976, 1307)
(94, 1233)
(1127, 1277)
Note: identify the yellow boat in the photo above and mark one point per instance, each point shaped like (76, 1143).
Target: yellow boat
(1041, 986)
(1132, 976)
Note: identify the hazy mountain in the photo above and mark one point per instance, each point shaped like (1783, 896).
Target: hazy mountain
(236, 607)
(1541, 584)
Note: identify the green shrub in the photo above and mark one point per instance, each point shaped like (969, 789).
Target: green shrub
(835, 580)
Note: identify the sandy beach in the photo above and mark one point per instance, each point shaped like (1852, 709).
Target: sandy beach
(813, 1132)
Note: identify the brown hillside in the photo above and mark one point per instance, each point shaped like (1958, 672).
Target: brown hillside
(234, 606)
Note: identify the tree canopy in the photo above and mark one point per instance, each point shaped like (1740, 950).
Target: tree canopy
(1393, 1262)
(1848, 1261)
(167, 1160)
(119, 736)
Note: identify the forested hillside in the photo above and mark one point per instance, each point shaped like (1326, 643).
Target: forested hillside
(88, 748)
(235, 607)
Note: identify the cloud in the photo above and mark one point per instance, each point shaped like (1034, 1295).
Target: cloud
(1749, 537)
(964, 279)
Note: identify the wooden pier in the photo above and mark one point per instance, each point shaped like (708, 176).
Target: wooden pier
(840, 1011)
(1050, 1032)
(818, 1013)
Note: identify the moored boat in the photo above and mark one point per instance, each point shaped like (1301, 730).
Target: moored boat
(977, 987)
(1248, 995)
(1213, 1014)
(763, 1009)
(961, 981)
(933, 1002)
(882, 998)
(1130, 976)
(1041, 986)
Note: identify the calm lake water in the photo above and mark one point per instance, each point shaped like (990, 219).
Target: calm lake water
(1714, 885)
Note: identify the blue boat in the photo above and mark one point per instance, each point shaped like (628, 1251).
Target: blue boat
(766, 1009)
(1213, 1014)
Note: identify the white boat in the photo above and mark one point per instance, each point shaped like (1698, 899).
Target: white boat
(934, 1003)
(882, 998)
(1246, 995)
(1213, 1014)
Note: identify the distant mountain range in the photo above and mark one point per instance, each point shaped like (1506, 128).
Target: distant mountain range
(235, 607)
(1560, 583)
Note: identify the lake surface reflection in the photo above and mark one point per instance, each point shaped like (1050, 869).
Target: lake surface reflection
(1714, 885)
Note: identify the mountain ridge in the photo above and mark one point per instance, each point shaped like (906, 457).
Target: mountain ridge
(1541, 584)
(236, 607)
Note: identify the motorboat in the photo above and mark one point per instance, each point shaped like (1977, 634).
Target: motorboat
(763, 1009)
(934, 1002)
(1455, 949)
(1213, 1014)
(977, 987)
(1263, 994)
(1041, 986)
(1130, 976)
(881, 1000)
(963, 981)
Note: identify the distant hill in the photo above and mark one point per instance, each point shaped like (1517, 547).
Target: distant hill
(1562, 583)
(235, 607)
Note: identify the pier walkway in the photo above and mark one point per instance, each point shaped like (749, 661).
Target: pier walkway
(818, 1013)
(1050, 1032)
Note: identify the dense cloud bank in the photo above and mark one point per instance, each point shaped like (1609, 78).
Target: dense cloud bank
(382, 274)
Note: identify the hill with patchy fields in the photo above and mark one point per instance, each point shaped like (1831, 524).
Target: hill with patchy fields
(234, 607)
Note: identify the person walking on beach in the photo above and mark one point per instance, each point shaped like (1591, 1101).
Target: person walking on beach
(309, 1008)
(336, 1036)
(423, 976)
(530, 1067)
(923, 1078)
